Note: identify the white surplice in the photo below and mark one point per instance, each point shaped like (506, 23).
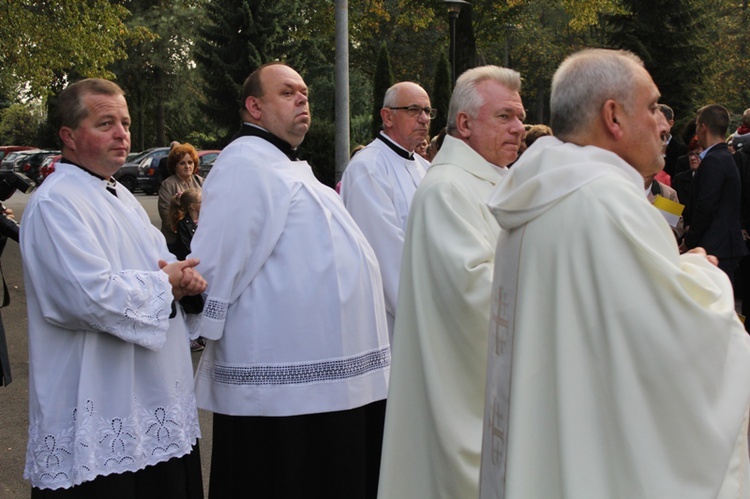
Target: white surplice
(377, 188)
(110, 375)
(433, 429)
(625, 368)
(295, 301)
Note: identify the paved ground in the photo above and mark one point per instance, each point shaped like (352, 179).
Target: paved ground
(14, 398)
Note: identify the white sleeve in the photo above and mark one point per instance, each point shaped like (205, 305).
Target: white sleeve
(243, 216)
(78, 284)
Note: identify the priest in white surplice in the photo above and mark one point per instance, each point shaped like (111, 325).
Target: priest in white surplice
(618, 368)
(380, 181)
(112, 410)
(433, 430)
(296, 366)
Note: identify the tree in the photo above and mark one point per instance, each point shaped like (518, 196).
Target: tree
(159, 70)
(237, 38)
(382, 81)
(729, 66)
(466, 49)
(41, 39)
(441, 94)
(669, 36)
(20, 124)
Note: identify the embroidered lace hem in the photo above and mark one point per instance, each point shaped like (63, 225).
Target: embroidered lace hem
(295, 374)
(94, 445)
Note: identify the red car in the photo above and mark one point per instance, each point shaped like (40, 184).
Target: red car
(48, 166)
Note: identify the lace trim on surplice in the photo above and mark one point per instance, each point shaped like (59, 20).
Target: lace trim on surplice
(299, 373)
(97, 445)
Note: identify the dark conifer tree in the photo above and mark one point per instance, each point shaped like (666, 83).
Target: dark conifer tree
(382, 81)
(466, 45)
(441, 94)
(239, 36)
(669, 36)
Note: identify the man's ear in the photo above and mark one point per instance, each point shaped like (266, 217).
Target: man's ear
(386, 116)
(610, 114)
(67, 136)
(252, 104)
(463, 125)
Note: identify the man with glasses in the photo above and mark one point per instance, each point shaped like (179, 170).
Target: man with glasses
(433, 434)
(381, 179)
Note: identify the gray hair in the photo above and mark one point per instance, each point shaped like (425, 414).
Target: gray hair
(585, 81)
(746, 117)
(465, 97)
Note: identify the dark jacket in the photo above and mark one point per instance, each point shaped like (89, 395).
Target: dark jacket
(675, 149)
(185, 231)
(5, 377)
(715, 206)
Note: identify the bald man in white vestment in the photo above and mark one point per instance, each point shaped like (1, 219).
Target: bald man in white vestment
(381, 179)
(433, 429)
(618, 368)
(297, 362)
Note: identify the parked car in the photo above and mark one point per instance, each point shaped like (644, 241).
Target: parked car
(5, 150)
(207, 159)
(29, 164)
(48, 167)
(127, 175)
(8, 163)
(150, 181)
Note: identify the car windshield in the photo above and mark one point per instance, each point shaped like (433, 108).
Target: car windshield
(137, 159)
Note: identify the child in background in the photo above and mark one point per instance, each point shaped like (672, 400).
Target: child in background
(184, 211)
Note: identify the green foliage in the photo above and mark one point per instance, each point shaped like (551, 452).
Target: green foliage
(158, 74)
(41, 40)
(239, 36)
(729, 63)
(441, 94)
(20, 124)
(669, 36)
(382, 81)
(317, 150)
(415, 36)
(231, 44)
(360, 130)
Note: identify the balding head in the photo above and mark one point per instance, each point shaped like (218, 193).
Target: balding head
(407, 127)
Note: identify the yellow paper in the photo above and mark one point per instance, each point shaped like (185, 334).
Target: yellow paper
(668, 205)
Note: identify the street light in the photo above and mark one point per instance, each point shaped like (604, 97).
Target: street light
(454, 9)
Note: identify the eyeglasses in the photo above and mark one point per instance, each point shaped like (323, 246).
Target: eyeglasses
(694, 155)
(416, 111)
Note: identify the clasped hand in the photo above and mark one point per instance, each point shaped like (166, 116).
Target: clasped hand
(185, 280)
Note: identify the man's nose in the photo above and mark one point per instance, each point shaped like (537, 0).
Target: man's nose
(121, 130)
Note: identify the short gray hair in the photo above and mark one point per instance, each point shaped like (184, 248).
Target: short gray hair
(465, 97)
(585, 81)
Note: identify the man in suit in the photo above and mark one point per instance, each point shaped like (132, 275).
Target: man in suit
(715, 194)
(675, 148)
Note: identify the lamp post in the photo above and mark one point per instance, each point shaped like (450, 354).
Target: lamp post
(454, 9)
